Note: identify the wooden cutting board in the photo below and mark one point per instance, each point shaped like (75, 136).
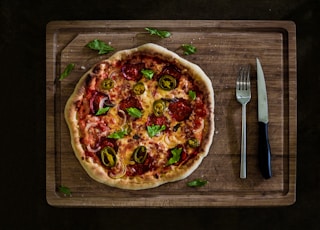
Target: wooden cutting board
(223, 46)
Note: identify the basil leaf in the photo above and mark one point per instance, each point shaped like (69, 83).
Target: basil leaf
(192, 94)
(65, 190)
(197, 183)
(175, 156)
(67, 71)
(188, 49)
(134, 112)
(160, 33)
(102, 110)
(155, 129)
(118, 134)
(147, 73)
(101, 46)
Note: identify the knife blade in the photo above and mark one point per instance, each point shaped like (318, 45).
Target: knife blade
(264, 154)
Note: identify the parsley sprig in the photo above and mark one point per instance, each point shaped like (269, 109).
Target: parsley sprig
(67, 71)
(155, 129)
(160, 33)
(118, 134)
(65, 190)
(188, 49)
(197, 183)
(101, 46)
(192, 95)
(176, 152)
(134, 112)
(102, 110)
(147, 73)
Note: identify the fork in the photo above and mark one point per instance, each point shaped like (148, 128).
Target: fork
(243, 95)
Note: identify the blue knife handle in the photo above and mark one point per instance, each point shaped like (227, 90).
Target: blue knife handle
(264, 154)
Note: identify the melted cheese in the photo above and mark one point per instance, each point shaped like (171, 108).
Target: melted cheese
(157, 146)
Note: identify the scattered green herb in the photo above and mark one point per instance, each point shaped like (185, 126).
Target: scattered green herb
(192, 94)
(65, 190)
(67, 71)
(188, 49)
(101, 46)
(102, 110)
(118, 134)
(197, 183)
(147, 73)
(160, 33)
(155, 129)
(175, 156)
(134, 112)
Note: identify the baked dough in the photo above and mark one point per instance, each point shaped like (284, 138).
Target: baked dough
(91, 133)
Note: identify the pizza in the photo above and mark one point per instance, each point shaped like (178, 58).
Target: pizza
(141, 118)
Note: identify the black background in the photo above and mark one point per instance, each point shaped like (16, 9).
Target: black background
(22, 162)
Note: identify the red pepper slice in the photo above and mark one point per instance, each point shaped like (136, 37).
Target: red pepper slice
(154, 120)
(132, 72)
(180, 109)
(130, 102)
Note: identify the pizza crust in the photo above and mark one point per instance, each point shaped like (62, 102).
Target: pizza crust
(147, 180)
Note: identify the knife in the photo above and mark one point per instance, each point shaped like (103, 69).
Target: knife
(264, 154)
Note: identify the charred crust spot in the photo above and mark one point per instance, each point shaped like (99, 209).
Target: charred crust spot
(88, 79)
(97, 69)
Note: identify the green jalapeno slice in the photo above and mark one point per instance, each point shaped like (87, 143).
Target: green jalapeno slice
(107, 84)
(140, 154)
(139, 88)
(159, 107)
(167, 82)
(108, 156)
(193, 143)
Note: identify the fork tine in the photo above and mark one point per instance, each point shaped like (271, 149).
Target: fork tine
(243, 80)
(240, 79)
(248, 76)
(243, 95)
(238, 82)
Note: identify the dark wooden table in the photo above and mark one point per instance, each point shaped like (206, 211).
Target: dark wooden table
(23, 66)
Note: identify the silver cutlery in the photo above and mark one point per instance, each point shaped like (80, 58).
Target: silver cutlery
(243, 95)
(264, 154)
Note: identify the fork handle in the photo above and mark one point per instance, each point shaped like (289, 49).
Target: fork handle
(264, 154)
(243, 157)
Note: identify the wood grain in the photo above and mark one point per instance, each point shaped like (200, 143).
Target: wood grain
(223, 46)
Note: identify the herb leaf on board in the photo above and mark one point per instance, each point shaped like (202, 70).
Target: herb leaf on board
(65, 190)
(101, 46)
(66, 71)
(188, 49)
(197, 183)
(160, 33)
